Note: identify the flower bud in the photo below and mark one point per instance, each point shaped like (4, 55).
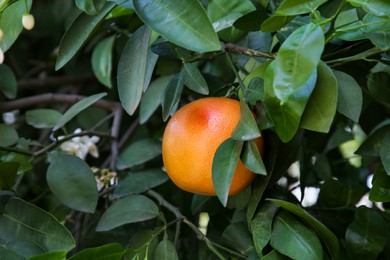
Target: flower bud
(28, 21)
(1, 34)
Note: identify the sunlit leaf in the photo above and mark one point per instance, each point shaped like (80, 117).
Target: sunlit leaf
(130, 209)
(292, 7)
(73, 183)
(184, 23)
(78, 33)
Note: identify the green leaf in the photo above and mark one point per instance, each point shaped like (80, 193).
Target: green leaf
(166, 251)
(171, 96)
(73, 183)
(254, 91)
(286, 116)
(237, 236)
(42, 117)
(11, 22)
(329, 239)
(380, 190)
(261, 226)
(251, 158)
(367, 235)
(8, 135)
(378, 85)
(58, 255)
(321, 108)
(113, 251)
(193, 79)
(184, 23)
(275, 255)
(22, 221)
(152, 98)
(252, 21)
(372, 145)
(91, 7)
(130, 209)
(142, 244)
(275, 22)
(374, 7)
(135, 69)
(297, 60)
(7, 81)
(78, 33)
(139, 182)
(8, 171)
(292, 7)
(224, 165)
(290, 237)
(335, 194)
(246, 128)
(138, 152)
(10, 254)
(385, 152)
(76, 109)
(350, 97)
(102, 61)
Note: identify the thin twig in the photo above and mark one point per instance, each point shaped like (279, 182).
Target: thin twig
(230, 48)
(54, 81)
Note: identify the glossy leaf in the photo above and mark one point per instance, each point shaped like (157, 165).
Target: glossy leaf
(251, 158)
(8, 171)
(42, 117)
(193, 79)
(275, 22)
(130, 209)
(139, 182)
(7, 81)
(329, 239)
(350, 97)
(78, 33)
(135, 69)
(171, 96)
(297, 60)
(367, 235)
(290, 237)
(380, 186)
(166, 251)
(291, 7)
(321, 108)
(72, 181)
(11, 22)
(286, 116)
(152, 98)
(246, 128)
(8, 135)
(261, 226)
(374, 7)
(224, 165)
(237, 236)
(254, 91)
(138, 152)
(113, 251)
(102, 61)
(76, 109)
(22, 221)
(91, 7)
(183, 23)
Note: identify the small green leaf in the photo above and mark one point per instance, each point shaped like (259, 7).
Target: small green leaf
(135, 69)
(8, 171)
(290, 237)
(321, 108)
(251, 158)
(152, 98)
(130, 209)
(246, 128)
(138, 152)
(375, 7)
(350, 95)
(224, 165)
(139, 182)
(78, 33)
(77, 108)
(113, 251)
(193, 79)
(73, 183)
(184, 23)
(42, 118)
(292, 7)
(8, 135)
(171, 96)
(91, 7)
(380, 190)
(22, 221)
(237, 236)
(102, 61)
(275, 22)
(166, 251)
(255, 90)
(7, 81)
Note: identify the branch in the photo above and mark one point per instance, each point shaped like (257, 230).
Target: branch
(230, 48)
(54, 81)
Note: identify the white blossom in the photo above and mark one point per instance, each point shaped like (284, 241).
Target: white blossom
(81, 146)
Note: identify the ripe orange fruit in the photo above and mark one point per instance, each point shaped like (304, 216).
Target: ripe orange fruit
(191, 138)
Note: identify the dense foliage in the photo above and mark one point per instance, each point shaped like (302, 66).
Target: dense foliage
(87, 87)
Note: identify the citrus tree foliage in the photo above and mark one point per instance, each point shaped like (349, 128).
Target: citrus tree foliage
(87, 91)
